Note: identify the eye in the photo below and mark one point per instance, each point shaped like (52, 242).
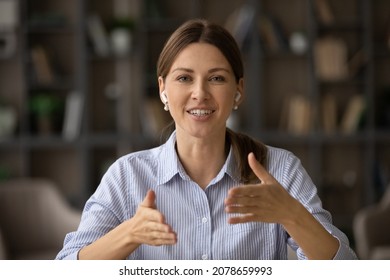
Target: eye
(218, 79)
(184, 79)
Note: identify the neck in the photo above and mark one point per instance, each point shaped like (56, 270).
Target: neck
(202, 158)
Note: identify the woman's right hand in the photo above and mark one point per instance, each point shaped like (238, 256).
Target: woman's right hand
(148, 225)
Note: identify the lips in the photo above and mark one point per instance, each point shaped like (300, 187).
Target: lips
(200, 112)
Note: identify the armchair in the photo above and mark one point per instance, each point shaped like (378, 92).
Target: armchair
(34, 219)
(371, 228)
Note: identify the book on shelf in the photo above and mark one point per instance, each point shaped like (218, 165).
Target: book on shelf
(353, 114)
(73, 115)
(240, 22)
(272, 34)
(42, 67)
(267, 34)
(297, 115)
(331, 59)
(98, 35)
(324, 12)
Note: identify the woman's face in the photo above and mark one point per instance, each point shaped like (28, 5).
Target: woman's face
(201, 88)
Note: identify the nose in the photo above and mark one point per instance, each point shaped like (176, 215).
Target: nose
(200, 92)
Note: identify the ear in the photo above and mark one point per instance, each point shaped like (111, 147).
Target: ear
(161, 86)
(240, 89)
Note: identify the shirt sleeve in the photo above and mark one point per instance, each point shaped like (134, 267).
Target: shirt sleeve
(299, 184)
(103, 211)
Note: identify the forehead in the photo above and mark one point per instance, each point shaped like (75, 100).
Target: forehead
(201, 55)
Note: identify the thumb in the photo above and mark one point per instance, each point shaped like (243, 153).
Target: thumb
(149, 200)
(258, 169)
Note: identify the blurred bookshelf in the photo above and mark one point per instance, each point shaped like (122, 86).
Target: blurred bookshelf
(316, 83)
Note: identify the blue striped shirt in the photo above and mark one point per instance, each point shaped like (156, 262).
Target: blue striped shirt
(196, 215)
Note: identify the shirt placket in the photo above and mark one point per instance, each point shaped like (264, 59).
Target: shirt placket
(204, 227)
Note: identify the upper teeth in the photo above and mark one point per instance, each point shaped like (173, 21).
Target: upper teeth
(199, 112)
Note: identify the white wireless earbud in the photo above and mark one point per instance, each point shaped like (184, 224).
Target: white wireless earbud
(238, 96)
(164, 97)
(236, 99)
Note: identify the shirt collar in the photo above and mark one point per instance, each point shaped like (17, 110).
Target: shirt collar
(169, 164)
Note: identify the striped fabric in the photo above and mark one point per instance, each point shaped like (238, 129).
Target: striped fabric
(196, 215)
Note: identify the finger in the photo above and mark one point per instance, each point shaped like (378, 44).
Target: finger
(147, 210)
(150, 214)
(242, 200)
(241, 219)
(160, 238)
(259, 170)
(236, 209)
(158, 241)
(159, 227)
(162, 235)
(149, 200)
(245, 190)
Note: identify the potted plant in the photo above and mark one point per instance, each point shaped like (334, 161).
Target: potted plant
(122, 35)
(46, 109)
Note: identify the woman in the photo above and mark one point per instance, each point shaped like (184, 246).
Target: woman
(208, 192)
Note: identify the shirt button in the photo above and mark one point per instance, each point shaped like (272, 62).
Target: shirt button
(205, 257)
(204, 220)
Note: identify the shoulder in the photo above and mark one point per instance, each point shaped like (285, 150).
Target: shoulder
(144, 159)
(150, 161)
(286, 167)
(130, 176)
(279, 157)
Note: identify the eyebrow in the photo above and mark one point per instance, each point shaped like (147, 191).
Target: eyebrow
(212, 70)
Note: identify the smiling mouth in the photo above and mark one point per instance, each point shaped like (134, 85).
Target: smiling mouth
(200, 112)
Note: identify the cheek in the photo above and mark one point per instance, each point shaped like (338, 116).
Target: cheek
(176, 107)
(226, 103)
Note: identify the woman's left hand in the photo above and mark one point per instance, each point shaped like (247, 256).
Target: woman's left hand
(266, 202)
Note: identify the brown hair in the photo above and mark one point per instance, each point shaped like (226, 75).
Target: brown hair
(201, 30)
